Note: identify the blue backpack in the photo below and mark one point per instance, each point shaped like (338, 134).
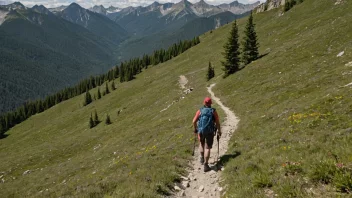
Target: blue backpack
(206, 121)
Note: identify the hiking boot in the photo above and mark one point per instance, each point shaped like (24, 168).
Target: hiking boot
(201, 160)
(206, 168)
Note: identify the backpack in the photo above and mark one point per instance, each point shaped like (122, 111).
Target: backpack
(206, 121)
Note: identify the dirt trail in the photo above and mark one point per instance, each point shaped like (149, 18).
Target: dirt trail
(183, 81)
(202, 184)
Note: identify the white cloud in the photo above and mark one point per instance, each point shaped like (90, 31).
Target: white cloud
(117, 3)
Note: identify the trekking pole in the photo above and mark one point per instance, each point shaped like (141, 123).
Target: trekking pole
(194, 144)
(218, 138)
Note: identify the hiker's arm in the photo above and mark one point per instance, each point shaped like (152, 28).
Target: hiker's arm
(217, 122)
(195, 120)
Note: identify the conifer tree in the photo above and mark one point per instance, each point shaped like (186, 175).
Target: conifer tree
(210, 73)
(232, 60)
(91, 122)
(88, 98)
(107, 91)
(96, 119)
(250, 43)
(99, 94)
(113, 85)
(107, 121)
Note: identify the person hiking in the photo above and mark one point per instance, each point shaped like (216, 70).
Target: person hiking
(205, 123)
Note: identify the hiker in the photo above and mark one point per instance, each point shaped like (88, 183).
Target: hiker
(205, 123)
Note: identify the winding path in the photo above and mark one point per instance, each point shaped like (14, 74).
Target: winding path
(202, 184)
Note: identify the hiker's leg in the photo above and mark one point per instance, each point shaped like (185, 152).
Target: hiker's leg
(201, 145)
(208, 145)
(206, 155)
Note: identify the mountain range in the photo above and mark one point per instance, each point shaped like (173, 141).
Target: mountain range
(155, 17)
(62, 45)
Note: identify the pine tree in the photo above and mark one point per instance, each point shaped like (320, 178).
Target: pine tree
(232, 60)
(107, 121)
(91, 122)
(250, 43)
(96, 119)
(99, 94)
(88, 99)
(211, 72)
(107, 91)
(113, 85)
(287, 6)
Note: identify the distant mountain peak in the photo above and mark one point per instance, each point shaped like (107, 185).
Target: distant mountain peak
(99, 6)
(41, 9)
(99, 9)
(185, 2)
(156, 3)
(74, 5)
(38, 6)
(18, 3)
(201, 3)
(14, 6)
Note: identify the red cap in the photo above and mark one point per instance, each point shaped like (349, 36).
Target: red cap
(207, 101)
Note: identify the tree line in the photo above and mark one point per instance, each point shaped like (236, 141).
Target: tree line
(126, 71)
(134, 66)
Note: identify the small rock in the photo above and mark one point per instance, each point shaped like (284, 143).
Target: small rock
(220, 189)
(348, 64)
(185, 178)
(215, 189)
(349, 84)
(340, 54)
(201, 189)
(182, 193)
(222, 169)
(1, 176)
(185, 184)
(177, 188)
(3, 180)
(26, 172)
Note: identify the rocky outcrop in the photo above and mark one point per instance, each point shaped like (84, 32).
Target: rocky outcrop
(269, 5)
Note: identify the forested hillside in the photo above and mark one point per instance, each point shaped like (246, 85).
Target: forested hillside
(40, 54)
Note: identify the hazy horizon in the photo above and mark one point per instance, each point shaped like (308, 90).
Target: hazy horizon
(118, 3)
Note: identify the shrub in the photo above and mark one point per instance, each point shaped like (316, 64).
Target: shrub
(262, 181)
(343, 180)
(323, 172)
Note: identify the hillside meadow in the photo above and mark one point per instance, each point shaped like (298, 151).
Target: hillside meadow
(293, 138)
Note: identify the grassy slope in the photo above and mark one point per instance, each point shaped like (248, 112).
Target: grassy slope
(300, 76)
(151, 148)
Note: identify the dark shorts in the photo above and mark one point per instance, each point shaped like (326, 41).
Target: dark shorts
(207, 139)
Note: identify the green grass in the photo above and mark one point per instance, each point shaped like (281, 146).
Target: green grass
(292, 104)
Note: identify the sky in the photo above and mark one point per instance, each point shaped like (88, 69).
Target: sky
(116, 3)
